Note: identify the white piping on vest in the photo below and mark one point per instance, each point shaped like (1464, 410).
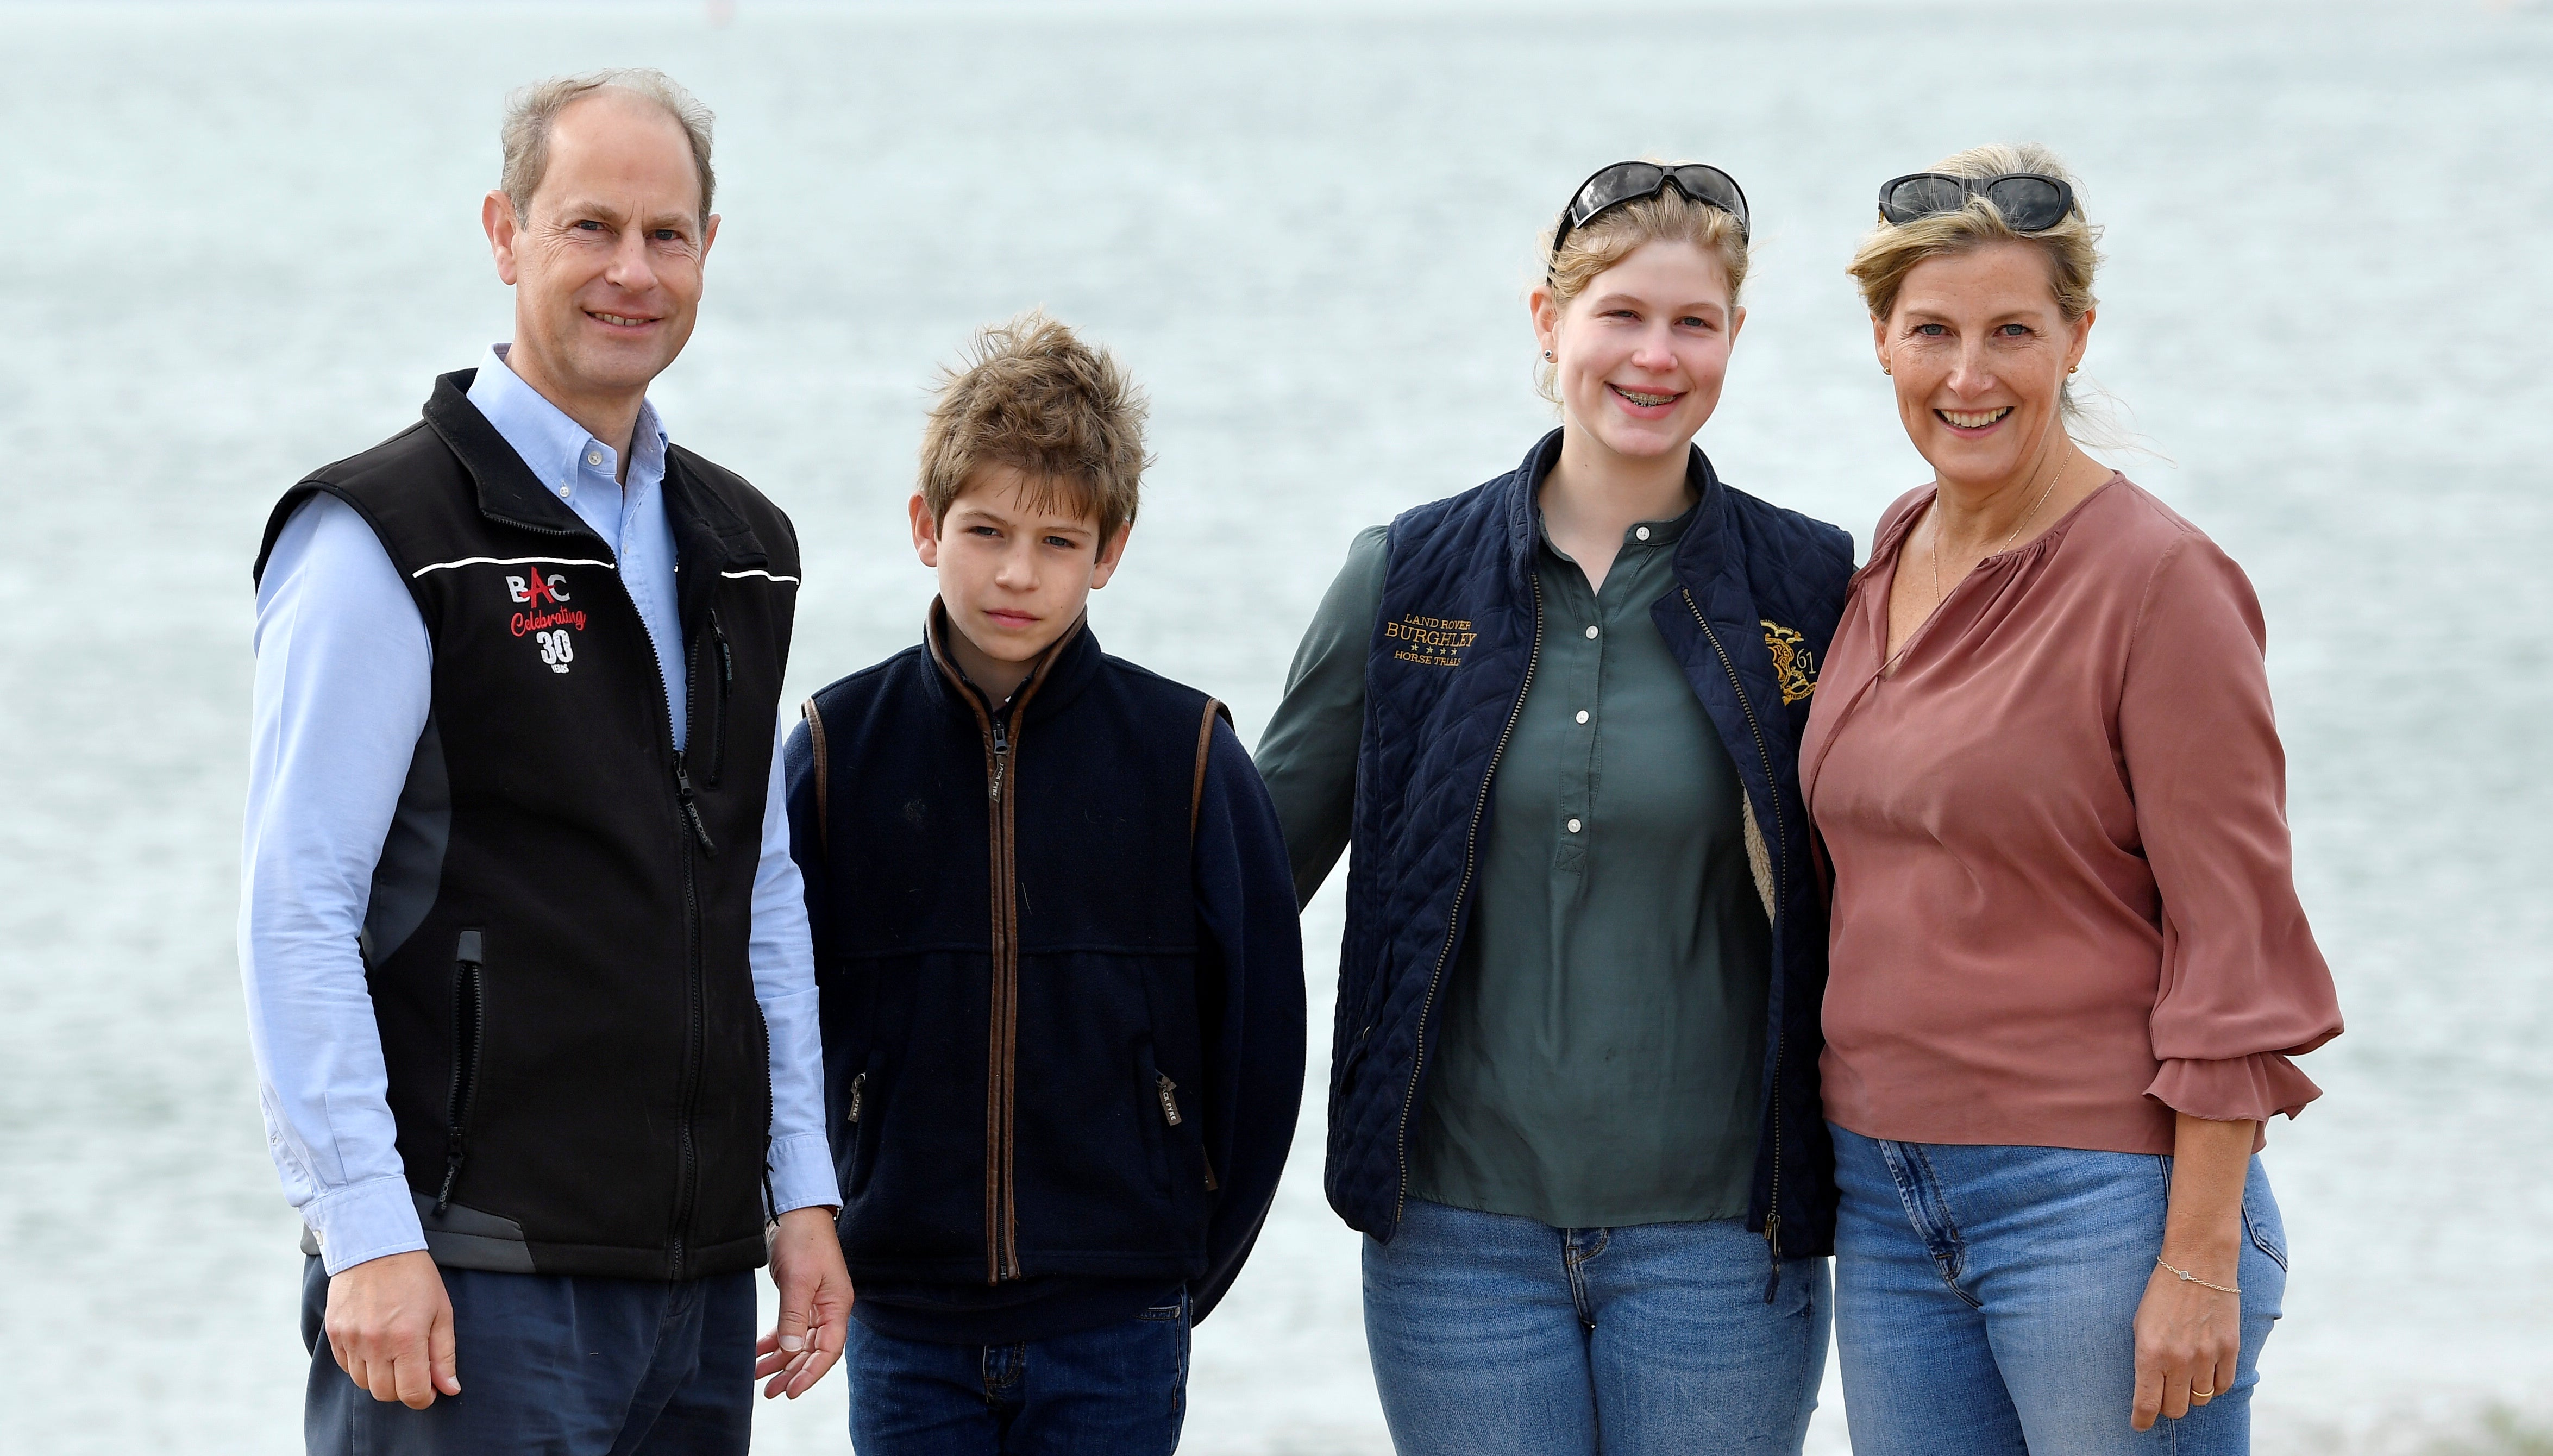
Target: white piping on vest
(766, 576)
(510, 561)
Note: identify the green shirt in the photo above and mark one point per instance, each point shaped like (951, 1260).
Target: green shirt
(1599, 1047)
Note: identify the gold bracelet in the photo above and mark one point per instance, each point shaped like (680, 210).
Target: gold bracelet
(2190, 1278)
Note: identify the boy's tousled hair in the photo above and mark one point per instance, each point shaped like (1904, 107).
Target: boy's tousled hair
(1030, 394)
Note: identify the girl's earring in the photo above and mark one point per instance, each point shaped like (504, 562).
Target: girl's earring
(1546, 354)
(1884, 368)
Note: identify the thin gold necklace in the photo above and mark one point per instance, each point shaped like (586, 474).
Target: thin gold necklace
(1933, 548)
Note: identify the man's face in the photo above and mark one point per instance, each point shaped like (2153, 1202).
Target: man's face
(1013, 576)
(606, 268)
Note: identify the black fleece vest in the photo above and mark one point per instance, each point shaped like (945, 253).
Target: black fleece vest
(556, 940)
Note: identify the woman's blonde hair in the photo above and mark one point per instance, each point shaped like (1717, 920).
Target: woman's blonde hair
(1669, 216)
(1891, 251)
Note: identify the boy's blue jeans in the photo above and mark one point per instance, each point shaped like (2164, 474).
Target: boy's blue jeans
(1494, 1335)
(1118, 1389)
(1986, 1299)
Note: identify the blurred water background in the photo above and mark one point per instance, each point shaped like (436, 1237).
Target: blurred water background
(242, 240)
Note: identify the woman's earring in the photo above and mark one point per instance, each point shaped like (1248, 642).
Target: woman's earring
(1546, 354)
(1884, 368)
(2074, 368)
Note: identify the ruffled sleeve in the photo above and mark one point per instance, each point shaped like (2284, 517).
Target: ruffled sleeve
(2243, 988)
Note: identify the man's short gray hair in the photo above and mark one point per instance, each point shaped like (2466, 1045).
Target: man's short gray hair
(531, 111)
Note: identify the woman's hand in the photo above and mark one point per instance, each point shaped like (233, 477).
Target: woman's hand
(2189, 1335)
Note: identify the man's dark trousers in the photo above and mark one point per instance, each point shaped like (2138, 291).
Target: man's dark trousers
(1121, 1389)
(557, 1364)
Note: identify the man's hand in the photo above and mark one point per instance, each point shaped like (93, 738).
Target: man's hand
(815, 1303)
(390, 1325)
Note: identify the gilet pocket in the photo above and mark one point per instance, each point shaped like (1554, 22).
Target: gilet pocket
(468, 1036)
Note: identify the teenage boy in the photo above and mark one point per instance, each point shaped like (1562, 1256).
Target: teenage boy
(1061, 977)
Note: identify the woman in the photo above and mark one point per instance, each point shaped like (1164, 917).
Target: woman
(2068, 965)
(1573, 1096)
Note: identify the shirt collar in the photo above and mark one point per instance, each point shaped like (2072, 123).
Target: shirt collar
(1639, 536)
(554, 447)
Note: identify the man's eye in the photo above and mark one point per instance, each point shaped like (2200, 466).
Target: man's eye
(1062, 543)
(587, 225)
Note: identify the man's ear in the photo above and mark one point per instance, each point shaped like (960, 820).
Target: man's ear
(496, 215)
(925, 531)
(1111, 551)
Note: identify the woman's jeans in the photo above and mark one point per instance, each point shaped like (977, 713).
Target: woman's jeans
(1986, 1299)
(1499, 1336)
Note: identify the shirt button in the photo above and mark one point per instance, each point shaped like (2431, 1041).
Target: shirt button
(593, 457)
(1591, 629)
(1573, 825)
(1582, 715)
(1642, 533)
(564, 491)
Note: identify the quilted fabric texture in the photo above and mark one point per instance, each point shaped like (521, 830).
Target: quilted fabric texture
(1760, 591)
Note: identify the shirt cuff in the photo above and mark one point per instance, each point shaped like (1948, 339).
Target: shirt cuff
(2236, 1089)
(363, 1221)
(802, 1173)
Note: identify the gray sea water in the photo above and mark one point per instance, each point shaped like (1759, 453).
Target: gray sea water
(241, 241)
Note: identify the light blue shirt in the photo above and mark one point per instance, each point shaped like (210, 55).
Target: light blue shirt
(344, 686)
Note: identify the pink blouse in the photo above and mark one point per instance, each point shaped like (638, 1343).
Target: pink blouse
(2063, 900)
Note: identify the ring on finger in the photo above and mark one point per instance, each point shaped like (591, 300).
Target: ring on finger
(2200, 1395)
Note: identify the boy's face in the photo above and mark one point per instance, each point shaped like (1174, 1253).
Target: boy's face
(1012, 577)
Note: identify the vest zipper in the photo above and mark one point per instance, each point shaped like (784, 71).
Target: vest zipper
(696, 1029)
(859, 1084)
(1454, 916)
(1001, 737)
(469, 1030)
(1001, 1199)
(1781, 896)
(1168, 1091)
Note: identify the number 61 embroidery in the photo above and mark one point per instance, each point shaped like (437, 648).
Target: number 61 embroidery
(556, 648)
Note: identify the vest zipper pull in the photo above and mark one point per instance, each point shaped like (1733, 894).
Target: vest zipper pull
(1001, 757)
(690, 810)
(1773, 1247)
(859, 1084)
(1170, 1103)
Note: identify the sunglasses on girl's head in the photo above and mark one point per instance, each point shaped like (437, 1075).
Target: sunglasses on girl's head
(1629, 182)
(2029, 202)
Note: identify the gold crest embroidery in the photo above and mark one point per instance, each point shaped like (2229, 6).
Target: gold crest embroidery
(1430, 641)
(1795, 667)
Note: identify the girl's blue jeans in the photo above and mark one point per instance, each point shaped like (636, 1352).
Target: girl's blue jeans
(1986, 1299)
(1494, 1335)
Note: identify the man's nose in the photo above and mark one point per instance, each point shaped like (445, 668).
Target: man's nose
(631, 267)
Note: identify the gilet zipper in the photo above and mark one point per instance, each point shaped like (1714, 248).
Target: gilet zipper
(1781, 862)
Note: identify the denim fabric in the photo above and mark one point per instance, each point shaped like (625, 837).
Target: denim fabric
(1986, 1299)
(1491, 1334)
(556, 1365)
(1121, 1389)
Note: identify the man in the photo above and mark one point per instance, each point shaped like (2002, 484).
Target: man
(525, 953)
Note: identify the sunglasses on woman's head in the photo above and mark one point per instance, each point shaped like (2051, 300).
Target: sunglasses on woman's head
(1629, 182)
(2028, 201)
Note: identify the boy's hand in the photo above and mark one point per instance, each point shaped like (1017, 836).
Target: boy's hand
(390, 1325)
(815, 1303)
